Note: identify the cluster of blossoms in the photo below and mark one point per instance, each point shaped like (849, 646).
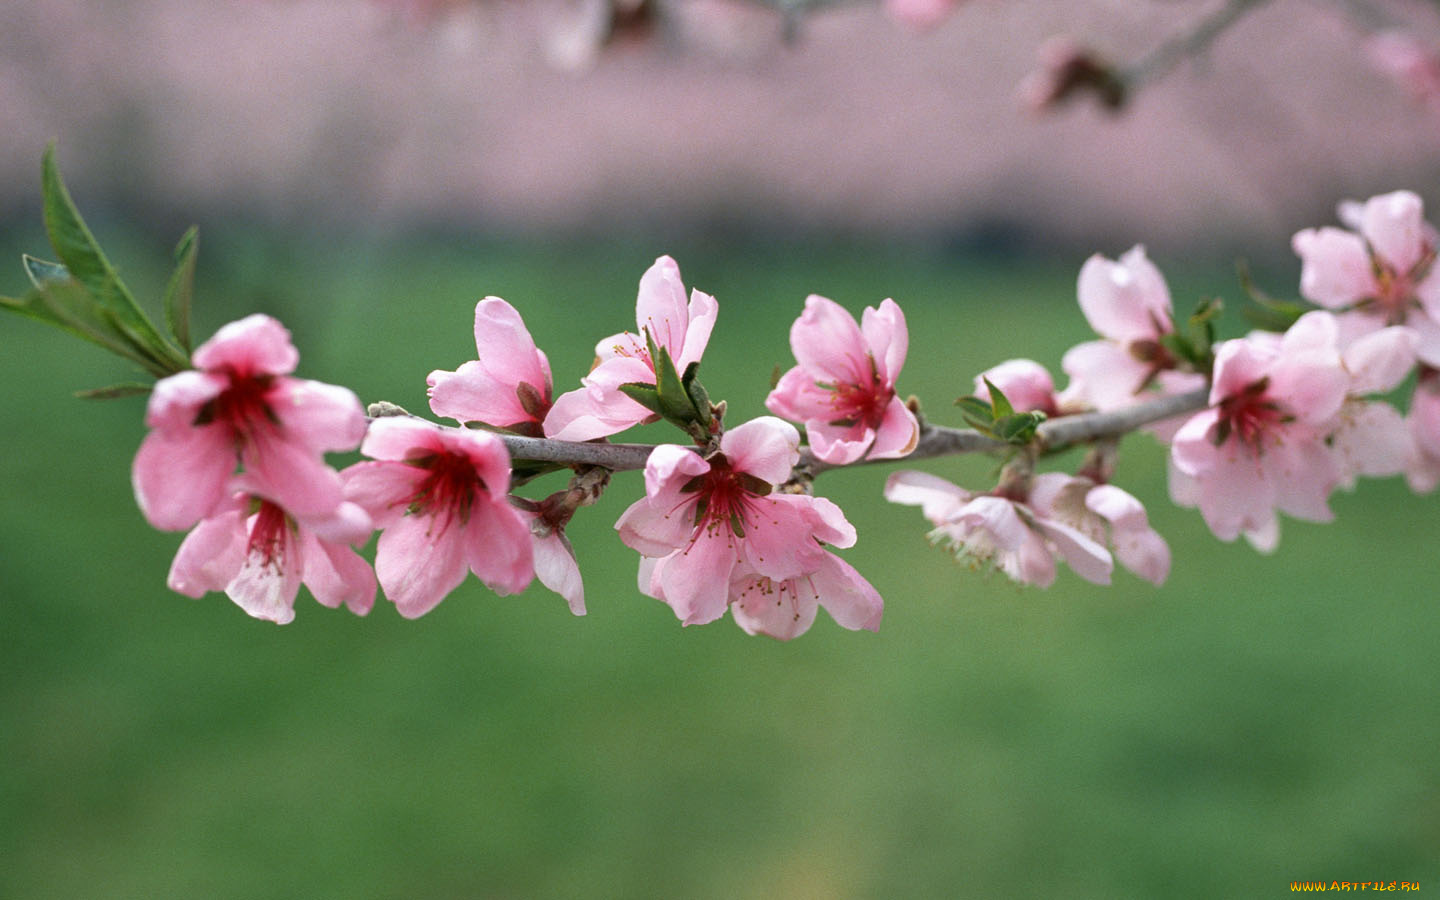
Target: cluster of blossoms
(1287, 418)
(1271, 422)
(237, 452)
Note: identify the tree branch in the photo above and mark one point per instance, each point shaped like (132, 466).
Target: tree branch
(935, 440)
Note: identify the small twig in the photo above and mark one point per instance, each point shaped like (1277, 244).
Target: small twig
(1163, 59)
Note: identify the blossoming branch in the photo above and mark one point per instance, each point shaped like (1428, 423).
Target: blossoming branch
(729, 520)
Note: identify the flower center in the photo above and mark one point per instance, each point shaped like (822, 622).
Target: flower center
(1249, 415)
(450, 487)
(726, 498)
(268, 535)
(243, 406)
(863, 401)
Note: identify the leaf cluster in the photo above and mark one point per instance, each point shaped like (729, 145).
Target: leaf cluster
(998, 419)
(84, 295)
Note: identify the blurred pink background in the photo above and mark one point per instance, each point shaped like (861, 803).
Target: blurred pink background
(356, 111)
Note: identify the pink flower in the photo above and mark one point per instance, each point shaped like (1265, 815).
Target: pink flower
(708, 520)
(1128, 304)
(785, 608)
(241, 406)
(843, 389)
(439, 497)
(920, 13)
(555, 564)
(1409, 62)
(1261, 445)
(1370, 437)
(1382, 275)
(599, 408)
(507, 386)
(259, 555)
(1010, 534)
(1108, 516)
(1024, 382)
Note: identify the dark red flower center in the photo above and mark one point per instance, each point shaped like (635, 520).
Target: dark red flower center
(1249, 415)
(269, 534)
(243, 406)
(449, 487)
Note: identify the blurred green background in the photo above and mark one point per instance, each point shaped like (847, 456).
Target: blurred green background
(1256, 721)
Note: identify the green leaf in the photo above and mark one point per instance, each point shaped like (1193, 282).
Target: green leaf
(699, 397)
(1266, 312)
(81, 255)
(999, 403)
(181, 289)
(675, 403)
(115, 391)
(1018, 428)
(643, 394)
(69, 306)
(41, 271)
(976, 413)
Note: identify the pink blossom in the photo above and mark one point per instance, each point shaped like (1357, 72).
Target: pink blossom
(439, 497)
(1024, 382)
(259, 555)
(1128, 303)
(1381, 273)
(555, 564)
(1108, 516)
(1411, 63)
(1369, 437)
(241, 406)
(507, 386)
(600, 408)
(1010, 534)
(843, 389)
(785, 608)
(709, 520)
(920, 13)
(1261, 444)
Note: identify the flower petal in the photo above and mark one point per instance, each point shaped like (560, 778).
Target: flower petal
(418, 561)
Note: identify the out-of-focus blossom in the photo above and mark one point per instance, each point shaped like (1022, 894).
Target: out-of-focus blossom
(920, 13)
(1127, 302)
(1369, 437)
(1107, 515)
(843, 388)
(1024, 382)
(586, 27)
(708, 521)
(600, 408)
(241, 406)
(439, 497)
(1010, 534)
(1068, 69)
(1411, 63)
(259, 556)
(1261, 445)
(1380, 273)
(507, 385)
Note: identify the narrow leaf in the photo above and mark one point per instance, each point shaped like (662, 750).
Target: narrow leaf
(181, 288)
(115, 391)
(999, 403)
(81, 255)
(643, 394)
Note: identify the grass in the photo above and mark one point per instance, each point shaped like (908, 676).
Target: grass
(1257, 721)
